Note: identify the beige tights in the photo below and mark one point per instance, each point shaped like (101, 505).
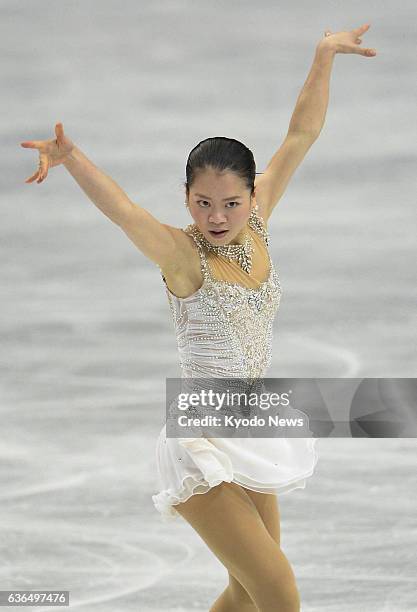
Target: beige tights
(242, 529)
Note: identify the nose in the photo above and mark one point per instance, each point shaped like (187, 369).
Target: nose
(217, 218)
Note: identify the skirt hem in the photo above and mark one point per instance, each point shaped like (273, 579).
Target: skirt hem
(167, 499)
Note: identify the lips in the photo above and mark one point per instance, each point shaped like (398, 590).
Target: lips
(218, 234)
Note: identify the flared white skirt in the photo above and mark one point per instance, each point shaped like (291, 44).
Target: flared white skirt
(190, 466)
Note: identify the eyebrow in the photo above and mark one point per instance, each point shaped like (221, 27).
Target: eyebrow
(236, 197)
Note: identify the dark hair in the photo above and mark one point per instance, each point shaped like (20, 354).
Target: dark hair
(221, 154)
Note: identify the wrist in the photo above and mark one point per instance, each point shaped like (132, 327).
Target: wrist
(325, 50)
(74, 155)
(325, 53)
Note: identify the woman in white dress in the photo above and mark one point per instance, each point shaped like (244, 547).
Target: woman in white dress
(224, 291)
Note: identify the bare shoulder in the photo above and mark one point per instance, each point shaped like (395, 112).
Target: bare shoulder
(185, 248)
(183, 274)
(261, 198)
(263, 210)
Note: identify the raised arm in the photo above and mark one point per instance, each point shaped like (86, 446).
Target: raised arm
(308, 117)
(159, 242)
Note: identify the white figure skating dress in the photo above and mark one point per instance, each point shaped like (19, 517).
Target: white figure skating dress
(224, 330)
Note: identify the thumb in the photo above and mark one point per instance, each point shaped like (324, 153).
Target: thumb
(31, 144)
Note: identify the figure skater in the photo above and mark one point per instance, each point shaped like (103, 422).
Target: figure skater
(224, 291)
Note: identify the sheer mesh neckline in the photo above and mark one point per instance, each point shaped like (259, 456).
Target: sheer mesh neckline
(209, 278)
(215, 280)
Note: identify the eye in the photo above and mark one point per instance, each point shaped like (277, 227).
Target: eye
(205, 202)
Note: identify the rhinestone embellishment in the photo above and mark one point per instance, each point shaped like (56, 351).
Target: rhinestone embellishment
(225, 329)
(242, 253)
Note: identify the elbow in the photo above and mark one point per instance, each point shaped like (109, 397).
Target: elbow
(308, 136)
(124, 214)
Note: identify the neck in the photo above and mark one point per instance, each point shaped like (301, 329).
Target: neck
(240, 237)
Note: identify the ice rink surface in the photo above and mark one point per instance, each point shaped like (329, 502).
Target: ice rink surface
(86, 336)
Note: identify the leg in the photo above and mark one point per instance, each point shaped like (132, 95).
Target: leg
(228, 521)
(267, 506)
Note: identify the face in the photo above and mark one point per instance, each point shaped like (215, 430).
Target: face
(220, 201)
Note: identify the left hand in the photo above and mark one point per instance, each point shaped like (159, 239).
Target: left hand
(347, 42)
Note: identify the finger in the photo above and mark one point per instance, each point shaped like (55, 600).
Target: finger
(33, 177)
(359, 31)
(42, 175)
(31, 144)
(59, 131)
(43, 167)
(368, 52)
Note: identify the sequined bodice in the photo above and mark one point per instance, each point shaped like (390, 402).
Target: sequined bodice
(225, 329)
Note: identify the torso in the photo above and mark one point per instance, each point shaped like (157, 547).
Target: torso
(184, 277)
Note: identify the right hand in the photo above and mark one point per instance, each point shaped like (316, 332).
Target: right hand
(51, 153)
